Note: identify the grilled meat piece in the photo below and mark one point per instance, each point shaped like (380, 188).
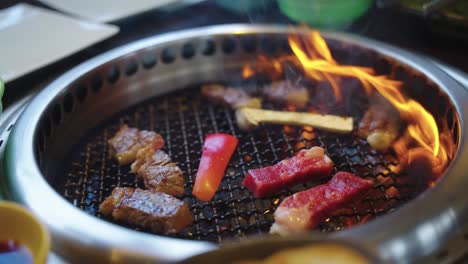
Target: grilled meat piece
(148, 156)
(235, 98)
(307, 165)
(167, 179)
(381, 124)
(159, 212)
(303, 211)
(127, 141)
(158, 172)
(286, 92)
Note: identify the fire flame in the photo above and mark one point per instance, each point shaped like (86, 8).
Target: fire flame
(312, 54)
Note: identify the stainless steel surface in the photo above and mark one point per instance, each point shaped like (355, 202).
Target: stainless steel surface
(414, 231)
(435, 5)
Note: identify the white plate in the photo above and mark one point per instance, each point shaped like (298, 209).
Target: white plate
(33, 37)
(107, 10)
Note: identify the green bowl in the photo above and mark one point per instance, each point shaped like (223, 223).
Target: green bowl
(324, 13)
(240, 6)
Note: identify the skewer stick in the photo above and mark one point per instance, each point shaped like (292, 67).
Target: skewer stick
(248, 118)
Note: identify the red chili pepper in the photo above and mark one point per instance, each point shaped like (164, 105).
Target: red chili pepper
(217, 152)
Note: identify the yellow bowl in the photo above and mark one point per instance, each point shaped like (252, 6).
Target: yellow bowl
(18, 224)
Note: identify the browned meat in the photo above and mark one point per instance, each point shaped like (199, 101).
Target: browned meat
(381, 124)
(286, 92)
(232, 97)
(159, 212)
(149, 157)
(167, 179)
(127, 141)
(158, 172)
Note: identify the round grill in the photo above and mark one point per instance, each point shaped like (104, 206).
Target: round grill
(154, 85)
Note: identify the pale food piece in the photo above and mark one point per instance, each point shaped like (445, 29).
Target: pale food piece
(248, 118)
(314, 254)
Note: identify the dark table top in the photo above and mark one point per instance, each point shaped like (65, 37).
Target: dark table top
(391, 26)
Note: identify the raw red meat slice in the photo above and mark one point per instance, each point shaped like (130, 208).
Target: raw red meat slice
(303, 211)
(311, 164)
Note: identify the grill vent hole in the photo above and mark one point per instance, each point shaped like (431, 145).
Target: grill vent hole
(131, 67)
(81, 93)
(10, 127)
(40, 143)
(228, 45)
(209, 48)
(113, 75)
(268, 46)
(442, 255)
(249, 44)
(450, 118)
(383, 66)
(455, 133)
(96, 81)
(441, 109)
(168, 56)
(284, 45)
(148, 60)
(1, 143)
(57, 114)
(401, 73)
(47, 127)
(68, 103)
(188, 51)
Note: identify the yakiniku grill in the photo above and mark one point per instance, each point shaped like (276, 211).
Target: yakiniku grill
(58, 163)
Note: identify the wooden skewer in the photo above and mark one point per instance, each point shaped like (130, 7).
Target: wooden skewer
(248, 118)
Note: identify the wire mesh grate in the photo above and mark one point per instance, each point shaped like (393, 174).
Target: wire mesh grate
(183, 118)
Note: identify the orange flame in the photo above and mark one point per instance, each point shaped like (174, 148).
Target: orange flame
(247, 71)
(314, 57)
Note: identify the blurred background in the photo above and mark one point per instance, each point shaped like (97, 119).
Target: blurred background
(437, 28)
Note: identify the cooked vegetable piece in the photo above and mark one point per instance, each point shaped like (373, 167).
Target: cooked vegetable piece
(217, 151)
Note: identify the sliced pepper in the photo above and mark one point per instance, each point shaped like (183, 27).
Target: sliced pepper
(217, 152)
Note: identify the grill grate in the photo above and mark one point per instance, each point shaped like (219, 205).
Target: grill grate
(184, 119)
